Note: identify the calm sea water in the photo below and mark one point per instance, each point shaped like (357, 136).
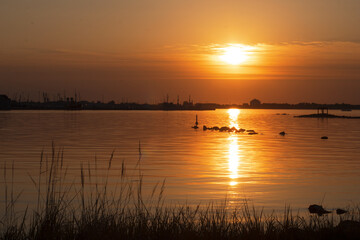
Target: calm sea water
(199, 166)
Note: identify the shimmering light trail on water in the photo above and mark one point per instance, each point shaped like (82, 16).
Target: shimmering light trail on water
(234, 158)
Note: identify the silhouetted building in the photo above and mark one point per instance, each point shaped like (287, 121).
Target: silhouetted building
(5, 102)
(255, 102)
(188, 104)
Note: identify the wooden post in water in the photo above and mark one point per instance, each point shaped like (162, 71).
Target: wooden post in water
(323, 112)
(196, 123)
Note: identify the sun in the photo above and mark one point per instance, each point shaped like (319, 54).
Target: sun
(235, 54)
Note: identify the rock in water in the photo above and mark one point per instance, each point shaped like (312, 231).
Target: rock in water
(317, 209)
(223, 129)
(340, 211)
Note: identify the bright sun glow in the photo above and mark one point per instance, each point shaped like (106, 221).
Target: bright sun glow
(235, 54)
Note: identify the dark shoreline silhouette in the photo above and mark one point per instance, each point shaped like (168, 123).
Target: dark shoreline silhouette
(74, 104)
(324, 116)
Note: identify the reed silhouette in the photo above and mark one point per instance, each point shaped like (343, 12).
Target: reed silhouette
(89, 208)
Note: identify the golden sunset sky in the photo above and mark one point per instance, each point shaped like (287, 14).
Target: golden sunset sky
(218, 51)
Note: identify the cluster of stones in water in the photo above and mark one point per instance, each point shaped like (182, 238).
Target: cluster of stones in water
(228, 129)
(241, 130)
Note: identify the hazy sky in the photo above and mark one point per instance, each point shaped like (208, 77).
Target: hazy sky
(141, 50)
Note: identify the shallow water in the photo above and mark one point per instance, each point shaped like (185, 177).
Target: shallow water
(199, 166)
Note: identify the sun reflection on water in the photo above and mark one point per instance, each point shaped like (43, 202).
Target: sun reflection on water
(234, 156)
(233, 160)
(233, 115)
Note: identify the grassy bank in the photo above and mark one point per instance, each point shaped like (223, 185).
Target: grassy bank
(92, 208)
